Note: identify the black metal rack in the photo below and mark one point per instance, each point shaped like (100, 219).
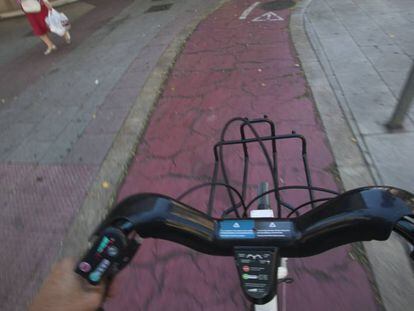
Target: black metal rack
(272, 163)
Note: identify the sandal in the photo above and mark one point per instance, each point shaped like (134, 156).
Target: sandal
(49, 50)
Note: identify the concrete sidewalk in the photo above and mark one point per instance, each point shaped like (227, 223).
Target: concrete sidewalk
(356, 63)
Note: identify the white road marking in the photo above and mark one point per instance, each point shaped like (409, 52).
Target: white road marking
(249, 10)
(268, 17)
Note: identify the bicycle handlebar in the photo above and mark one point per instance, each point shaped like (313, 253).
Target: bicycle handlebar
(363, 214)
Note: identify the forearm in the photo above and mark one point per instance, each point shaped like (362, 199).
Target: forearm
(64, 290)
(47, 4)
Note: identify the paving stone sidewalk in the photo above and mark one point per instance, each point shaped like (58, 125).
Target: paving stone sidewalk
(59, 116)
(366, 49)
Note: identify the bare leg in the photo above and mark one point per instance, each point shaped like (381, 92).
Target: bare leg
(66, 36)
(47, 41)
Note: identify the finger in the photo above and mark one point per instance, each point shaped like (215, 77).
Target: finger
(87, 287)
(112, 289)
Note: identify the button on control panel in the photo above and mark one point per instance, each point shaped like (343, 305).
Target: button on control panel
(103, 256)
(257, 268)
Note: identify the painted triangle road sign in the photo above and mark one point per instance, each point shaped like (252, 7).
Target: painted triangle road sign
(268, 17)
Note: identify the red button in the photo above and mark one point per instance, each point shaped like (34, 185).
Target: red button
(84, 267)
(246, 268)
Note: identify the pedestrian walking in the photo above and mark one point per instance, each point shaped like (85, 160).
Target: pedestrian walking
(36, 12)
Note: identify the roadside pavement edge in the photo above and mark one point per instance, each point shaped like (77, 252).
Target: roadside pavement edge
(102, 193)
(384, 258)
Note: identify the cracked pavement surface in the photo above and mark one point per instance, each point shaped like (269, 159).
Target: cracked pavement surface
(230, 68)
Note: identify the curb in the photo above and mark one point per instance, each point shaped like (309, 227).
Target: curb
(353, 161)
(17, 13)
(115, 166)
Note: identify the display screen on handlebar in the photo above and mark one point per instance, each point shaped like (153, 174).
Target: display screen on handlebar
(254, 228)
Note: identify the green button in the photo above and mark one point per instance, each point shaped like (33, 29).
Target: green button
(245, 276)
(103, 244)
(95, 276)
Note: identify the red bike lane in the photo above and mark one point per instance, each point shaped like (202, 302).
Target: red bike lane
(231, 68)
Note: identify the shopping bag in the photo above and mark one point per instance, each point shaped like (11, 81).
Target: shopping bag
(58, 22)
(64, 20)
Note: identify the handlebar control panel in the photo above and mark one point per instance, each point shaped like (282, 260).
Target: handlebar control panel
(105, 257)
(257, 268)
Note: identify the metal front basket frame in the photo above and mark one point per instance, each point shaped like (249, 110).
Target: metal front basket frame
(272, 162)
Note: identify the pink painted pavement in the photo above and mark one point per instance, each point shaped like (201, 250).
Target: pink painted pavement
(37, 205)
(228, 68)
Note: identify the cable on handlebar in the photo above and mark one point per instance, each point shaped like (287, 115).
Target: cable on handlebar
(295, 211)
(294, 187)
(215, 184)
